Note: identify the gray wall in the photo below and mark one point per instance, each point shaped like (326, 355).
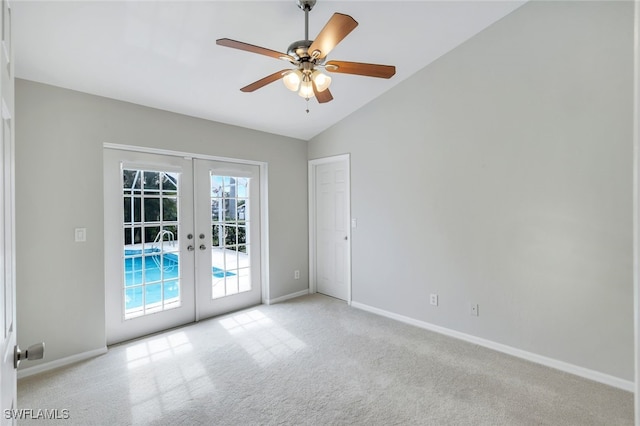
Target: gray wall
(59, 174)
(501, 175)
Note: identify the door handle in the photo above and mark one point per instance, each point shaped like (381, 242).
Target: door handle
(203, 247)
(33, 352)
(190, 248)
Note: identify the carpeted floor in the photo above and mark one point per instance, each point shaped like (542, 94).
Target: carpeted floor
(315, 361)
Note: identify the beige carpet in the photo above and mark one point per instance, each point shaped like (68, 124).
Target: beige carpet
(315, 361)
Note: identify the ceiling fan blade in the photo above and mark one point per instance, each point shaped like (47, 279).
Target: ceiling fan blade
(264, 81)
(322, 97)
(338, 27)
(227, 42)
(359, 68)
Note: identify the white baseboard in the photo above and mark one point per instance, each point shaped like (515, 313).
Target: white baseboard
(40, 368)
(287, 297)
(529, 356)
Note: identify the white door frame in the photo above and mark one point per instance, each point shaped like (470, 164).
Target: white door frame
(312, 219)
(636, 208)
(264, 201)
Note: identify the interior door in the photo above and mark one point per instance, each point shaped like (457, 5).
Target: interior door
(228, 236)
(149, 243)
(8, 377)
(332, 213)
(7, 248)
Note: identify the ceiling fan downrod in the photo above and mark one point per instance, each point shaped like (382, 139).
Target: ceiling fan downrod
(299, 49)
(306, 5)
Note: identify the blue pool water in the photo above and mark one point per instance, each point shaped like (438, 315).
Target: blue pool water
(161, 275)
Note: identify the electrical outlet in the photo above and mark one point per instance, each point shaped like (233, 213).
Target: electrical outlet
(433, 299)
(296, 274)
(474, 310)
(80, 235)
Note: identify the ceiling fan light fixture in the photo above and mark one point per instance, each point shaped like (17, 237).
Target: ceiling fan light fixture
(292, 80)
(306, 90)
(321, 80)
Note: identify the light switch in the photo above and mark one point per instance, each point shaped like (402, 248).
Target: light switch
(81, 235)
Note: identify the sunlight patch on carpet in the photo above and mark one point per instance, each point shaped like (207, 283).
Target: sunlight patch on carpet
(261, 337)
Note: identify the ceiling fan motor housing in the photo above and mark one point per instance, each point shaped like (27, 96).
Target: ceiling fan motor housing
(300, 49)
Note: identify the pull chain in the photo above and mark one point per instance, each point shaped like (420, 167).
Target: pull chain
(307, 105)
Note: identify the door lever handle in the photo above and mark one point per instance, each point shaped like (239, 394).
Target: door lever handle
(33, 352)
(190, 248)
(203, 247)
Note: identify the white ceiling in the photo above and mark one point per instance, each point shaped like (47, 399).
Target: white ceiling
(163, 54)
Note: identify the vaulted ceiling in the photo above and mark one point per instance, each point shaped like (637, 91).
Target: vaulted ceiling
(163, 54)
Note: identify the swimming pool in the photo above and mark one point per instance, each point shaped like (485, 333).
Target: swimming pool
(159, 272)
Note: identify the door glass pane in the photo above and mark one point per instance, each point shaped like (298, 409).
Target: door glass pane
(169, 209)
(151, 209)
(230, 223)
(151, 251)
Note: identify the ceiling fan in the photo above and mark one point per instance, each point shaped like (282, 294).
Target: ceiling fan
(308, 57)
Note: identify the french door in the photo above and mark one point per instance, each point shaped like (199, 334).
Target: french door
(228, 228)
(182, 240)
